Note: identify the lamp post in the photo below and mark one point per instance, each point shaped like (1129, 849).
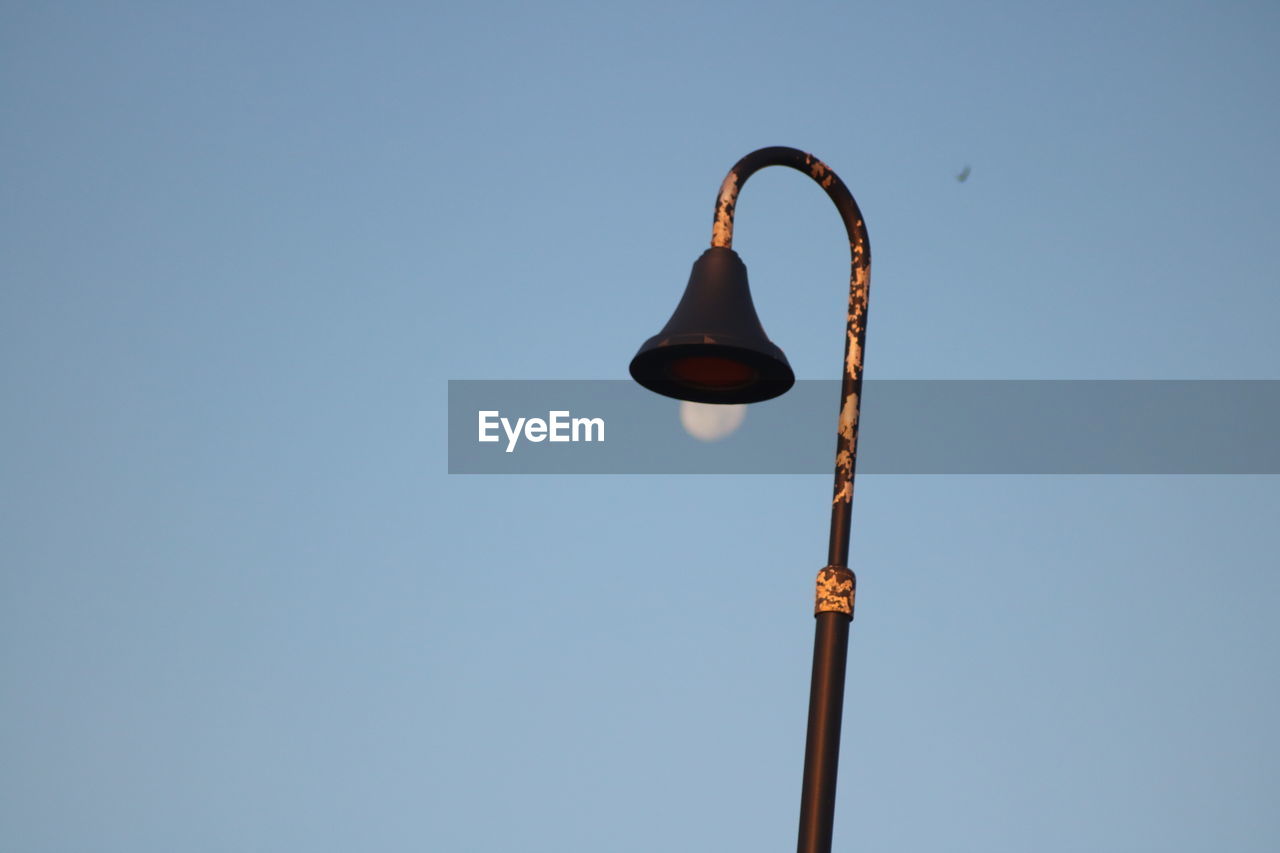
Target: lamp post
(714, 350)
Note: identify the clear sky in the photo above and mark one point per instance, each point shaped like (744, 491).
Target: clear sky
(244, 245)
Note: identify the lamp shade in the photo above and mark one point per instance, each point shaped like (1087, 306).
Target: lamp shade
(713, 349)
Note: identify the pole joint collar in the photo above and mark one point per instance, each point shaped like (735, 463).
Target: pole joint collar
(835, 591)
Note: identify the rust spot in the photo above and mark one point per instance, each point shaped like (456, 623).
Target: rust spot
(722, 229)
(859, 286)
(853, 361)
(849, 417)
(835, 591)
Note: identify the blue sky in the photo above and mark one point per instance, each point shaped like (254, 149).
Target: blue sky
(243, 607)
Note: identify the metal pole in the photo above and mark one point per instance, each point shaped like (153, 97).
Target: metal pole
(836, 584)
(822, 746)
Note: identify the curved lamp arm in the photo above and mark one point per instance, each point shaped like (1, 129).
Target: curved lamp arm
(855, 329)
(836, 583)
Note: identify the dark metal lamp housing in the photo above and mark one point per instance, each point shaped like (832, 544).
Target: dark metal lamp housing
(713, 349)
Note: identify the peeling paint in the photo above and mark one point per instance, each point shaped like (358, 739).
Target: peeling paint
(726, 201)
(835, 591)
(849, 416)
(859, 288)
(853, 355)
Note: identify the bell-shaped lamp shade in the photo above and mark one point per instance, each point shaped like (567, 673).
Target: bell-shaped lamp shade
(713, 349)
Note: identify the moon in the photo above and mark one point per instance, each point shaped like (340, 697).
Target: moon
(708, 422)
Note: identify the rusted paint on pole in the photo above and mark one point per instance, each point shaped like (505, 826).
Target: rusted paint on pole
(856, 323)
(836, 584)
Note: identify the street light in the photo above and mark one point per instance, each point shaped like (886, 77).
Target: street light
(714, 350)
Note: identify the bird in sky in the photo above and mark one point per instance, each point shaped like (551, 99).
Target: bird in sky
(963, 176)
